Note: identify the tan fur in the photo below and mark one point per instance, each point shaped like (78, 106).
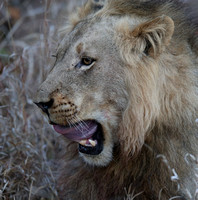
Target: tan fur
(142, 88)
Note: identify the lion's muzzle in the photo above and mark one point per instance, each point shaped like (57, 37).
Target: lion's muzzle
(62, 114)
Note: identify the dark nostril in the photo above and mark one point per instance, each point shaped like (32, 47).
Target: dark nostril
(45, 105)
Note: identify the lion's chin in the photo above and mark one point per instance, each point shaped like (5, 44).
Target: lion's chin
(104, 149)
(98, 153)
(100, 160)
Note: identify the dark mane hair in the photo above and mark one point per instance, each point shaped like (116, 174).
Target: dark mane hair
(181, 13)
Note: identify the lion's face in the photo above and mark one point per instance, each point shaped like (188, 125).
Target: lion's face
(97, 93)
(85, 93)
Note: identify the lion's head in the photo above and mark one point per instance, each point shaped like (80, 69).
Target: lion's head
(104, 91)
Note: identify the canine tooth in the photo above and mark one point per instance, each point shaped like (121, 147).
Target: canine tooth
(92, 142)
(83, 142)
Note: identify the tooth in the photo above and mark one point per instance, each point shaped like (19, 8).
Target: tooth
(92, 142)
(83, 142)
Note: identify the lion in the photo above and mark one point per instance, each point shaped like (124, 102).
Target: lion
(123, 94)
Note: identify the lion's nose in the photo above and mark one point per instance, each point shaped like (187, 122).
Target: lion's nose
(45, 105)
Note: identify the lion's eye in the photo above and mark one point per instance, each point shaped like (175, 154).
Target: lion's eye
(87, 61)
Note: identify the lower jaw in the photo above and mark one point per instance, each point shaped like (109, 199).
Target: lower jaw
(101, 160)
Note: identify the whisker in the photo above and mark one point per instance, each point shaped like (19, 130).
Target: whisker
(81, 121)
(82, 124)
(68, 123)
(76, 120)
(73, 122)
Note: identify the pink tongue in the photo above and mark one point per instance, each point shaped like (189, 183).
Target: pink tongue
(81, 131)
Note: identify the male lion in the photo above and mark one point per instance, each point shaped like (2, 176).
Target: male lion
(124, 94)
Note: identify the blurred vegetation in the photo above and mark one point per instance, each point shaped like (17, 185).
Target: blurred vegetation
(28, 146)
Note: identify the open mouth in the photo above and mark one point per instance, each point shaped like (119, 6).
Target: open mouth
(88, 134)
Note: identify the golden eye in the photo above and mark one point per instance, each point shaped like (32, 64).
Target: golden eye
(87, 61)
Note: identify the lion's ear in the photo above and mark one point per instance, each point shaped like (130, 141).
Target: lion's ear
(154, 35)
(150, 37)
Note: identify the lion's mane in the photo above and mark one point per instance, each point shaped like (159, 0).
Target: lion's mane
(153, 157)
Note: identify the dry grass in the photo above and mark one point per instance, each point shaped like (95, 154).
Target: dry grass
(27, 144)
